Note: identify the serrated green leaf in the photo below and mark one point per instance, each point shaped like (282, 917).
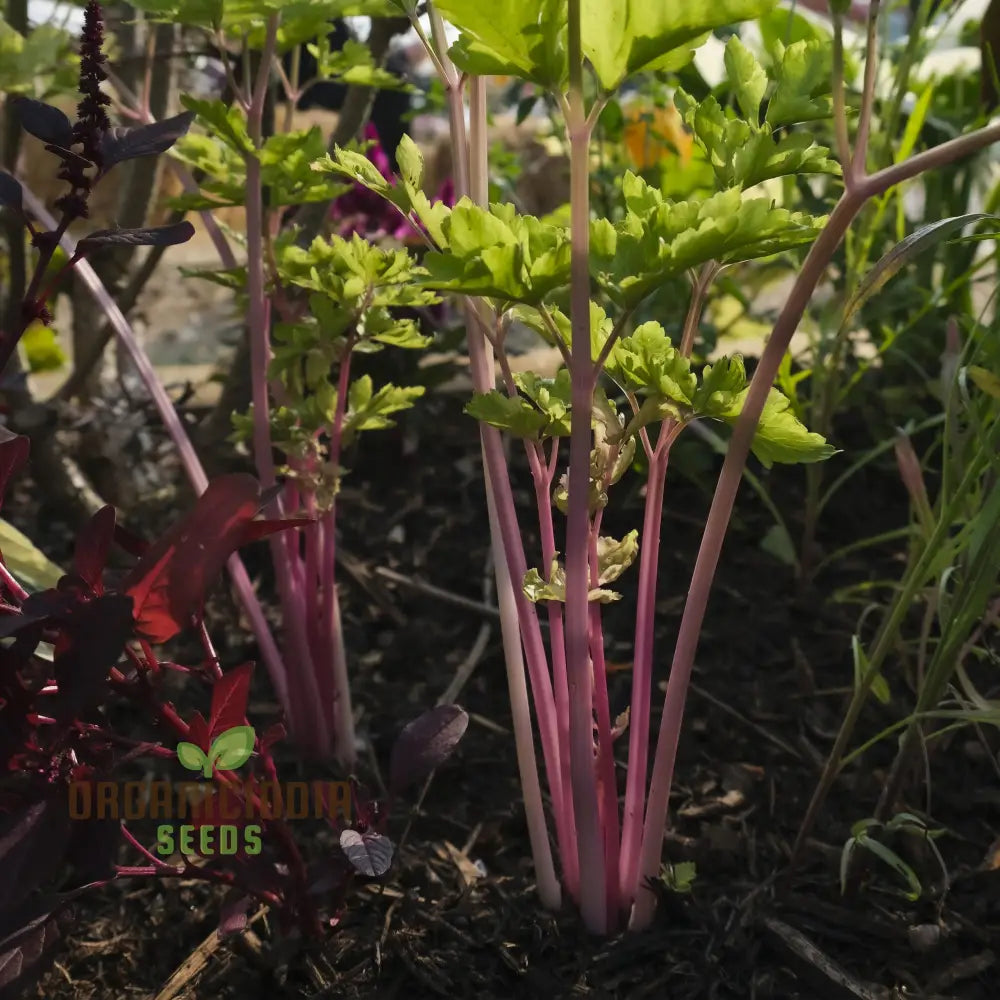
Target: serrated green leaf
(228, 123)
(524, 38)
(659, 240)
(550, 395)
(527, 38)
(803, 85)
(747, 77)
(679, 877)
(780, 435)
(357, 166)
(719, 386)
(743, 154)
(499, 253)
(411, 163)
(370, 410)
(512, 414)
(647, 362)
(625, 37)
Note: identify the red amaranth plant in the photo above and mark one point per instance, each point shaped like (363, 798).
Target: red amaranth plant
(57, 743)
(88, 149)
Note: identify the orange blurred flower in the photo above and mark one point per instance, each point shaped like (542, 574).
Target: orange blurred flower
(652, 134)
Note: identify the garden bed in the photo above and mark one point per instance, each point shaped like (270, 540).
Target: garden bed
(458, 916)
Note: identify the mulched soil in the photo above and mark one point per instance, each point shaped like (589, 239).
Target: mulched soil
(772, 670)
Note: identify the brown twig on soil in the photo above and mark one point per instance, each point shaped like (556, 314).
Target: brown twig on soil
(760, 730)
(829, 977)
(444, 595)
(196, 963)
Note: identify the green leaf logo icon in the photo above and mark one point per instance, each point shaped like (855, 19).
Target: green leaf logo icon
(230, 750)
(191, 756)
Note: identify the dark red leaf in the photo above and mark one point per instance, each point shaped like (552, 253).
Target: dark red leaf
(92, 547)
(97, 632)
(256, 530)
(152, 236)
(129, 542)
(229, 700)
(22, 955)
(234, 913)
(33, 843)
(370, 853)
(168, 584)
(274, 733)
(119, 144)
(43, 121)
(198, 732)
(93, 849)
(14, 450)
(10, 191)
(426, 743)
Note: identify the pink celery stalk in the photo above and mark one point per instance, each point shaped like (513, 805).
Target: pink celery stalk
(307, 716)
(590, 849)
(504, 529)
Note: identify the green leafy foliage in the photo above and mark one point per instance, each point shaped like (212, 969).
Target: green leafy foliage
(500, 254)
(524, 38)
(802, 84)
(780, 435)
(40, 64)
(369, 410)
(647, 364)
(354, 293)
(541, 412)
(620, 38)
(660, 239)
(679, 877)
(223, 121)
(407, 195)
(625, 37)
(247, 17)
(286, 162)
(743, 151)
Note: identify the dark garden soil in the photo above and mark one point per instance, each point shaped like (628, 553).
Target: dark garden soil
(457, 916)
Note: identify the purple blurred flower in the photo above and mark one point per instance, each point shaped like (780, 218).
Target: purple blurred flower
(369, 215)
